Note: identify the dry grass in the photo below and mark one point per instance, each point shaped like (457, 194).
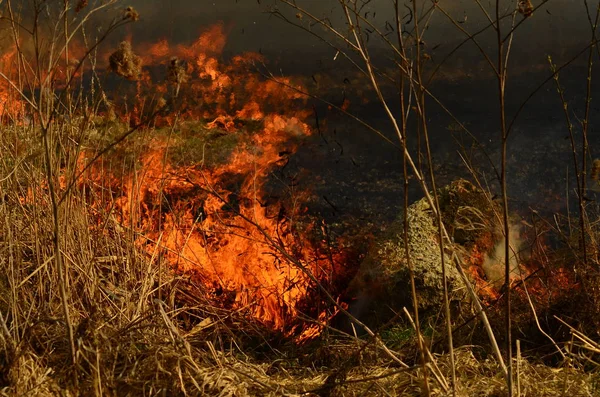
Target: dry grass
(141, 329)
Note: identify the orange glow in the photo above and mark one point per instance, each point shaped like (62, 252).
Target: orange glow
(476, 257)
(11, 104)
(213, 222)
(157, 52)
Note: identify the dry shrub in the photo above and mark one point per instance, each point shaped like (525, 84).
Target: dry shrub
(125, 63)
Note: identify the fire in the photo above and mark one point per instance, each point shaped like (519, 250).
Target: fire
(216, 221)
(24, 81)
(157, 52)
(11, 104)
(232, 250)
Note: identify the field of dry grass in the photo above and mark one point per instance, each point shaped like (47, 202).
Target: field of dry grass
(142, 328)
(143, 254)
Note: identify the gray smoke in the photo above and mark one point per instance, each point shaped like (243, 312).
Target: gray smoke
(494, 263)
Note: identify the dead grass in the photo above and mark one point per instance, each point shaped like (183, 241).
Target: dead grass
(141, 329)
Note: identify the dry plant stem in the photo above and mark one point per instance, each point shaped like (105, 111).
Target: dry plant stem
(543, 83)
(434, 205)
(44, 103)
(579, 175)
(103, 151)
(416, 170)
(12, 279)
(537, 321)
(36, 70)
(405, 68)
(413, 287)
(372, 76)
(435, 369)
(594, 24)
(481, 312)
(17, 43)
(514, 253)
(584, 136)
(568, 363)
(6, 335)
(162, 186)
(404, 115)
(588, 343)
(370, 73)
(518, 372)
(47, 129)
(57, 251)
(471, 38)
(420, 97)
(53, 63)
(504, 136)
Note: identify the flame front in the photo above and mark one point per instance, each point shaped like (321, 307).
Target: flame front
(213, 220)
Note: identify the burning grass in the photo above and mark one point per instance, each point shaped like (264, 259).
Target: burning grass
(141, 327)
(141, 332)
(203, 220)
(183, 272)
(195, 191)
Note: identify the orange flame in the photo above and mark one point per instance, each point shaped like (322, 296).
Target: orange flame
(213, 222)
(11, 105)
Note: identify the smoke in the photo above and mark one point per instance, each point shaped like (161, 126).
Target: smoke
(494, 262)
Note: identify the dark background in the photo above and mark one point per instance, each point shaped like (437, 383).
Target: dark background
(360, 174)
(354, 172)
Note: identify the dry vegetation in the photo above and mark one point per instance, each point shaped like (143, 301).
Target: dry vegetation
(85, 311)
(125, 63)
(141, 332)
(141, 329)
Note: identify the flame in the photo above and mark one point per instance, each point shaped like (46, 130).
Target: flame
(11, 105)
(230, 250)
(214, 221)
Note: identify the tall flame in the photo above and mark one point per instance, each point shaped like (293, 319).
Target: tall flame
(213, 221)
